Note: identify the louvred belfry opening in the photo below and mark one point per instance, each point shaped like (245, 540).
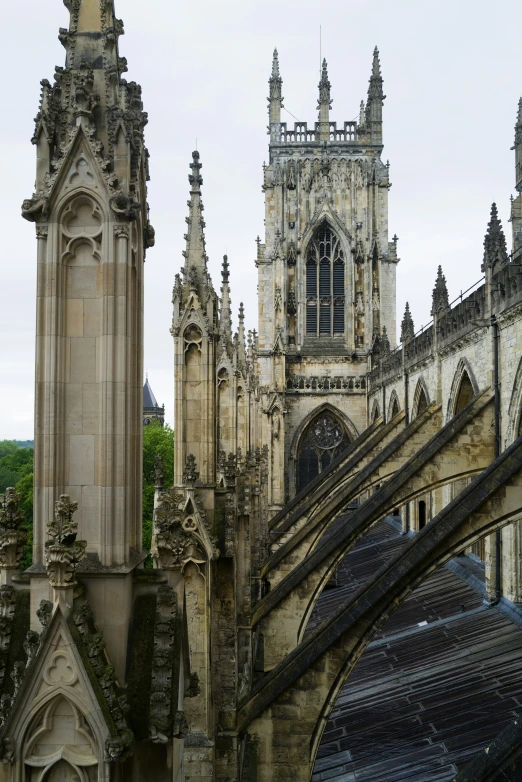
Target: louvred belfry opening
(325, 296)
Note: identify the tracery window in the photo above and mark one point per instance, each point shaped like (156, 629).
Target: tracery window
(323, 440)
(325, 284)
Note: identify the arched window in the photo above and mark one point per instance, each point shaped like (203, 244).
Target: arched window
(323, 440)
(325, 284)
(395, 410)
(465, 394)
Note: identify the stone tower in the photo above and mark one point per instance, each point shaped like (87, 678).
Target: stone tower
(326, 278)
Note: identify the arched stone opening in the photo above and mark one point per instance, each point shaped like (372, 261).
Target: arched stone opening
(322, 441)
(420, 400)
(465, 393)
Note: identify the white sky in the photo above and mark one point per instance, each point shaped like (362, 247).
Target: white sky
(453, 79)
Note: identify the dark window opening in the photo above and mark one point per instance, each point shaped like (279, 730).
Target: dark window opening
(465, 394)
(323, 440)
(325, 284)
(422, 514)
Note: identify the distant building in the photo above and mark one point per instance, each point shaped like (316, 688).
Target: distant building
(151, 409)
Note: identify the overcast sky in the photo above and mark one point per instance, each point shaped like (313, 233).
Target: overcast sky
(452, 78)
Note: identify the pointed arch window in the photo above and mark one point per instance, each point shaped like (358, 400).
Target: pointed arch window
(325, 295)
(323, 440)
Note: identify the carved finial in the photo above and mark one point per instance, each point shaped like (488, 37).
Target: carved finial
(407, 327)
(195, 178)
(275, 100)
(376, 65)
(63, 551)
(225, 270)
(13, 536)
(159, 472)
(190, 473)
(494, 242)
(440, 299)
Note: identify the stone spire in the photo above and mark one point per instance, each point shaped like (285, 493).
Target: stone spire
(195, 268)
(275, 100)
(440, 300)
(325, 104)
(407, 327)
(375, 100)
(494, 242)
(225, 321)
(89, 93)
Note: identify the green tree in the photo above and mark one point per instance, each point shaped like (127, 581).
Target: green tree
(156, 439)
(16, 469)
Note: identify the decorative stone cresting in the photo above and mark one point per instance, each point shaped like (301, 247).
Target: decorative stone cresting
(63, 551)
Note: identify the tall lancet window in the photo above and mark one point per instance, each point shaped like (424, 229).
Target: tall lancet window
(325, 284)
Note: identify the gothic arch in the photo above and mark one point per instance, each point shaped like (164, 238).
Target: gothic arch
(49, 726)
(514, 427)
(325, 407)
(309, 459)
(327, 282)
(458, 393)
(71, 200)
(421, 398)
(394, 406)
(376, 412)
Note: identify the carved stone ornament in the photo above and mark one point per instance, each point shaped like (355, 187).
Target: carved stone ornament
(160, 715)
(13, 536)
(122, 206)
(159, 472)
(7, 614)
(118, 747)
(62, 551)
(175, 540)
(190, 473)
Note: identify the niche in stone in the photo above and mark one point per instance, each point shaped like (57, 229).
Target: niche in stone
(322, 441)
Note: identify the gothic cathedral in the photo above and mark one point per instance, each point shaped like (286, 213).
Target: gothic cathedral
(324, 480)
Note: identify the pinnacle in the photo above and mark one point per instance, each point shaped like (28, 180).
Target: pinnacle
(195, 254)
(241, 312)
(407, 327)
(376, 65)
(519, 115)
(440, 299)
(275, 65)
(494, 241)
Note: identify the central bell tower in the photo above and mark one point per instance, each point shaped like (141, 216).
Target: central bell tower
(326, 268)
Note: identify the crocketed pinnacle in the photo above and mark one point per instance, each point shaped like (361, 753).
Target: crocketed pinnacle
(90, 93)
(324, 88)
(440, 299)
(407, 327)
(494, 242)
(275, 100)
(225, 320)
(385, 342)
(195, 253)
(375, 92)
(241, 335)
